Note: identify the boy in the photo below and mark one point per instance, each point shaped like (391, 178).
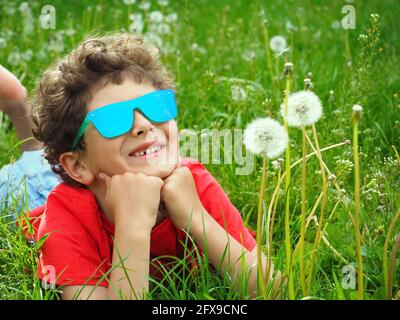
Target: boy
(105, 114)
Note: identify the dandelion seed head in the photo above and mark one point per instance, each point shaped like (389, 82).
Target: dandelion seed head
(288, 68)
(129, 2)
(136, 16)
(331, 179)
(238, 93)
(153, 38)
(163, 3)
(357, 111)
(308, 83)
(24, 7)
(248, 55)
(265, 136)
(172, 17)
(3, 43)
(290, 27)
(277, 44)
(145, 5)
(335, 25)
(136, 26)
(304, 109)
(156, 16)
(277, 164)
(357, 108)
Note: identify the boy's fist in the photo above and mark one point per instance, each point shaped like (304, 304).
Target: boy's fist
(180, 197)
(133, 198)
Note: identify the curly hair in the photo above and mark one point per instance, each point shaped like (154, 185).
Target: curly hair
(59, 105)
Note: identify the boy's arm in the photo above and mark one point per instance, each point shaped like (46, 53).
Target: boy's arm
(130, 278)
(211, 237)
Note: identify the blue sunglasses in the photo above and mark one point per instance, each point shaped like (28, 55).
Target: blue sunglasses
(116, 119)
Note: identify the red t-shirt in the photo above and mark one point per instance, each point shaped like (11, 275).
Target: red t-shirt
(80, 241)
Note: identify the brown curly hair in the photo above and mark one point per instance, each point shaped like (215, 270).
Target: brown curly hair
(60, 101)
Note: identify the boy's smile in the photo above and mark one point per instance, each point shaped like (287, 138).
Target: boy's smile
(149, 148)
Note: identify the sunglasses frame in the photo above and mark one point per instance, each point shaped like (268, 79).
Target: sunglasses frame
(92, 114)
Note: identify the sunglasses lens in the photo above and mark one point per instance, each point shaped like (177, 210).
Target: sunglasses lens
(159, 106)
(113, 120)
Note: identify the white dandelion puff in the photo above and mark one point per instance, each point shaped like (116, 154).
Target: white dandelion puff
(145, 5)
(357, 112)
(24, 7)
(162, 3)
(129, 2)
(238, 93)
(3, 43)
(357, 108)
(162, 28)
(288, 68)
(156, 16)
(265, 136)
(304, 109)
(153, 38)
(248, 55)
(136, 17)
(172, 17)
(278, 44)
(136, 26)
(290, 27)
(335, 25)
(277, 164)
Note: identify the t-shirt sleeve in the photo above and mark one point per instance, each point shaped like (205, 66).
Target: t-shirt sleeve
(219, 206)
(70, 255)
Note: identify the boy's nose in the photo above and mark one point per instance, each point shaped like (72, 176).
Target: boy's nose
(140, 124)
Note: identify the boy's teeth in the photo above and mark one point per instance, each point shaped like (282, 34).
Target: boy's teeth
(149, 150)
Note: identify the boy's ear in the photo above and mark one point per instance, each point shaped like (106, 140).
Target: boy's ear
(75, 168)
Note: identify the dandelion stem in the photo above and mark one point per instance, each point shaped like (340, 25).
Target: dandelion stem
(303, 213)
(357, 200)
(259, 222)
(287, 189)
(264, 28)
(271, 228)
(397, 155)
(391, 267)
(347, 46)
(322, 208)
(385, 248)
(274, 198)
(274, 201)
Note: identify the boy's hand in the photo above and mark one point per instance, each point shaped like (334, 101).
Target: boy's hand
(133, 198)
(180, 197)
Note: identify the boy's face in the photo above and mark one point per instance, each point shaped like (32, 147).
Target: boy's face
(115, 156)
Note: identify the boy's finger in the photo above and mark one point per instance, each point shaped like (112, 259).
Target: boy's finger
(105, 177)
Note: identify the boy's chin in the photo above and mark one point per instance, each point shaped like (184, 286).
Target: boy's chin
(160, 170)
(165, 170)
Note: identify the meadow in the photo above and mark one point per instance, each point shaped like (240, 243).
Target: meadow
(227, 75)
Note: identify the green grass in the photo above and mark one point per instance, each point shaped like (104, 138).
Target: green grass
(226, 30)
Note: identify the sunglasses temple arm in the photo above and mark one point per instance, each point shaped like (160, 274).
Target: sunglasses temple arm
(80, 133)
